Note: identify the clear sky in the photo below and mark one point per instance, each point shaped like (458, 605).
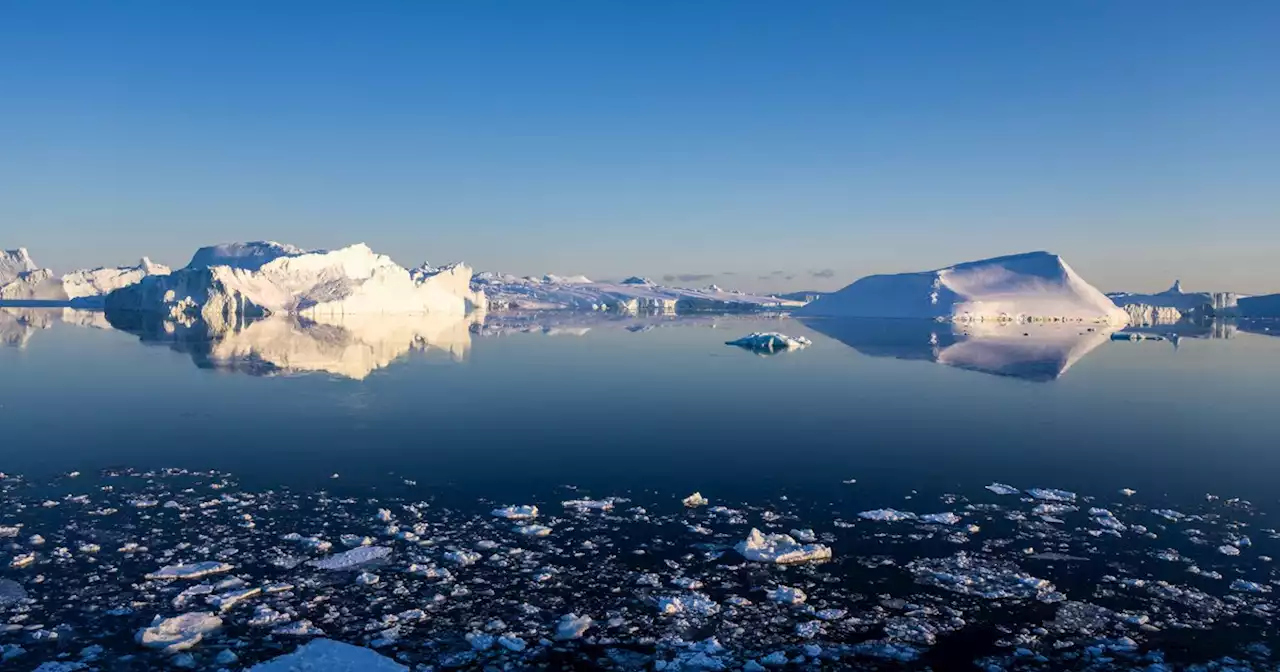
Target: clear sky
(794, 145)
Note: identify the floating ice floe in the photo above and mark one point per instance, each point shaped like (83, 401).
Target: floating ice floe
(572, 626)
(982, 577)
(1002, 489)
(887, 515)
(517, 512)
(695, 500)
(326, 655)
(352, 558)
(533, 530)
(589, 504)
(1052, 495)
(945, 518)
(770, 341)
(192, 570)
(787, 595)
(780, 548)
(180, 632)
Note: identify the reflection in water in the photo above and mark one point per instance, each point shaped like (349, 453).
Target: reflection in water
(350, 346)
(1036, 352)
(17, 325)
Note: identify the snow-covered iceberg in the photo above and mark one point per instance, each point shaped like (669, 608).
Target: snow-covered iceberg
(1036, 286)
(266, 278)
(1186, 303)
(22, 280)
(770, 341)
(633, 295)
(1036, 352)
(350, 346)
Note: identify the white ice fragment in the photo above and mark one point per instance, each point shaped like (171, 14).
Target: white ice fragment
(1128, 492)
(517, 512)
(180, 632)
(367, 579)
(302, 628)
(512, 643)
(1052, 495)
(946, 518)
(780, 548)
(22, 560)
(1243, 586)
(1002, 489)
(461, 557)
(225, 601)
(352, 558)
(787, 595)
(326, 655)
(1227, 549)
(806, 535)
(887, 515)
(192, 570)
(589, 504)
(770, 341)
(533, 530)
(695, 500)
(572, 626)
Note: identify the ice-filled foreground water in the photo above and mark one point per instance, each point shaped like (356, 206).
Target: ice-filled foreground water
(178, 496)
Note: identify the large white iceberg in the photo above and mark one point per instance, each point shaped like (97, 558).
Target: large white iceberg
(631, 296)
(22, 280)
(1036, 286)
(329, 656)
(267, 278)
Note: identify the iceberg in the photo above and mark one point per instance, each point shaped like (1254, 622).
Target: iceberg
(179, 633)
(1146, 314)
(1035, 352)
(22, 280)
(1178, 300)
(770, 341)
(632, 296)
(1036, 286)
(781, 549)
(1259, 306)
(258, 279)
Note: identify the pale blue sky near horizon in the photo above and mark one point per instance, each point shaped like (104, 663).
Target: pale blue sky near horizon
(769, 146)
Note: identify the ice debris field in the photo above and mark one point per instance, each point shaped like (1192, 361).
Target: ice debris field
(128, 570)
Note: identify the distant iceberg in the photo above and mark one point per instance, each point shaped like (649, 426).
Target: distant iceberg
(22, 281)
(267, 278)
(1035, 352)
(1185, 303)
(1037, 286)
(1259, 306)
(632, 296)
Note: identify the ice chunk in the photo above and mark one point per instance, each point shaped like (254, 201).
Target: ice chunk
(180, 632)
(770, 341)
(352, 558)
(326, 655)
(192, 570)
(572, 626)
(1052, 495)
(887, 515)
(787, 595)
(946, 518)
(695, 500)
(780, 548)
(517, 512)
(1002, 489)
(533, 530)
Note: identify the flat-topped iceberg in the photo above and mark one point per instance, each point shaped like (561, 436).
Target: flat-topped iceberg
(1199, 303)
(267, 278)
(631, 296)
(22, 280)
(1036, 286)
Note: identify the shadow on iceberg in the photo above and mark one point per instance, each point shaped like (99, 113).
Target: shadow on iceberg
(349, 347)
(1035, 352)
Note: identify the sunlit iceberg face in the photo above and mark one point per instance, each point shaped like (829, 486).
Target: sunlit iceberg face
(1037, 352)
(346, 346)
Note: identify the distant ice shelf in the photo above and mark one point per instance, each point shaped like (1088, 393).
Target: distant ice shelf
(634, 295)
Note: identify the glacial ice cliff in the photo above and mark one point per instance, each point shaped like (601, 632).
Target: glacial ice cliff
(1036, 286)
(1174, 297)
(266, 278)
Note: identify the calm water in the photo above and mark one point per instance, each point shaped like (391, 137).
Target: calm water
(273, 445)
(648, 403)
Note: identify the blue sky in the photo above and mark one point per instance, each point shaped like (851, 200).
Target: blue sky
(774, 141)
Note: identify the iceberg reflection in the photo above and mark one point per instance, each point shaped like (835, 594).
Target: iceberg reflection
(1036, 352)
(18, 325)
(351, 346)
